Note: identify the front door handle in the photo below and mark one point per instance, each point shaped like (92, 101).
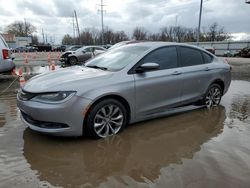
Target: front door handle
(207, 69)
(176, 73)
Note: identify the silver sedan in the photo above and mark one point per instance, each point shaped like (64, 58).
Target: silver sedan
(125, 85)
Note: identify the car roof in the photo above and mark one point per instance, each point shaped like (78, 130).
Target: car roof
(162, 44)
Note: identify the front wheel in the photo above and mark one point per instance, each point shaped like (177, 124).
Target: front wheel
(72, 61)
(106, 118)
(212, 96)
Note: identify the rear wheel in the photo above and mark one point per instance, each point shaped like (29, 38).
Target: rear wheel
(106, 118)
(73, 61)
(212, 96)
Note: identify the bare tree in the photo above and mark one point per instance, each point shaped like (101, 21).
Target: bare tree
(139, 33)
(216, 33)
(67, 40)
(21, 29)
(155, 37)
(108, 35)
(119, 36)
(34, 39)
(96, 35)
(87, 37)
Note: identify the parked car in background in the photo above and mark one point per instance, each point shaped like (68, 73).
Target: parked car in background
(20, 49)
(81, 55)
(107, 46)
(6, 62)
(125, 85)
(245, 52)
(61, 48)
(73, 48)
(210, 49)
(231, 53)
(31, 49)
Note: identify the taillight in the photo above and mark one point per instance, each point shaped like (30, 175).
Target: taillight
(6, 54)
(225, 61)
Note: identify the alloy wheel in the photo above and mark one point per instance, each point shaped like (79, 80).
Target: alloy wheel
(213, 97)
(108, 120)
(72, 60)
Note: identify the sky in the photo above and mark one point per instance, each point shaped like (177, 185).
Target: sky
(55, 16)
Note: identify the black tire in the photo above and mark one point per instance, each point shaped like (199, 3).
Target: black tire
(72, 60)
(95, 115)
(212, 96)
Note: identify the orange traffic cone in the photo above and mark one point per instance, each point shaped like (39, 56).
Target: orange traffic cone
(34, 56)
(53, 66)
(27, 70)
(21, 81)
(58, 55)
(49, 57)
(13, 72)
(20, 71)
(26, 59)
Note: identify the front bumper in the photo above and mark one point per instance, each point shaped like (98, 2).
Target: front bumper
(67, 117)
(62, 59)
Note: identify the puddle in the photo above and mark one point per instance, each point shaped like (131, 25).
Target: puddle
(199, 148)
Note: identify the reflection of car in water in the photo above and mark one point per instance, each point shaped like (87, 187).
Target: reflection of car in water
(77, 162)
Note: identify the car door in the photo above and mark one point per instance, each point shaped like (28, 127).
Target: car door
(85, 54)
(195, 72)
(159, 89)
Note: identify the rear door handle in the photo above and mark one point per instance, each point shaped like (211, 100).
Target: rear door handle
(176, 73)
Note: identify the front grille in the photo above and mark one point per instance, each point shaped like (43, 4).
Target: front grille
(43, 124)
(23, 95)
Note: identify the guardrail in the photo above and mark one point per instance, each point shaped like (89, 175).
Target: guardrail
(224, 46)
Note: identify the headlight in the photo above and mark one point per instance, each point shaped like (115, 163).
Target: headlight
(54, 97)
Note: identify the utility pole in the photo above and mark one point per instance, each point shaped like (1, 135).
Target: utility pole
(77, 25)
(25, 28)
(199, 26)
(102, 10)
(43, 36)
(176, 20)
(74, 36)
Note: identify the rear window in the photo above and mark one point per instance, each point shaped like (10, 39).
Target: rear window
(207, 58)
(2, 42)
(190, 56)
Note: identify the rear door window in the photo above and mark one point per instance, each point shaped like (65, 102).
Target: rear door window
(190, 56)
(166, 57)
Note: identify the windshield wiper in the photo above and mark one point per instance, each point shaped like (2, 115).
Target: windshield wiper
(97, 67)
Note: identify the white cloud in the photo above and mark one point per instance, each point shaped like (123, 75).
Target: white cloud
(54, 16)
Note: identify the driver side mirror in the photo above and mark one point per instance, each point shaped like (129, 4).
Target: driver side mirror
(147, 67)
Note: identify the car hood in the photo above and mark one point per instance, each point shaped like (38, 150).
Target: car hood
(68, 79)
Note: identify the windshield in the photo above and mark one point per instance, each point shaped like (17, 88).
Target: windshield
(117, 59)
(81, 49)
(118, 45)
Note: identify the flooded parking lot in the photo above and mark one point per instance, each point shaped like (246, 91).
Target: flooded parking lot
(195, 148)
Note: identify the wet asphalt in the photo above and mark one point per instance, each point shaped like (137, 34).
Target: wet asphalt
(195, 148)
